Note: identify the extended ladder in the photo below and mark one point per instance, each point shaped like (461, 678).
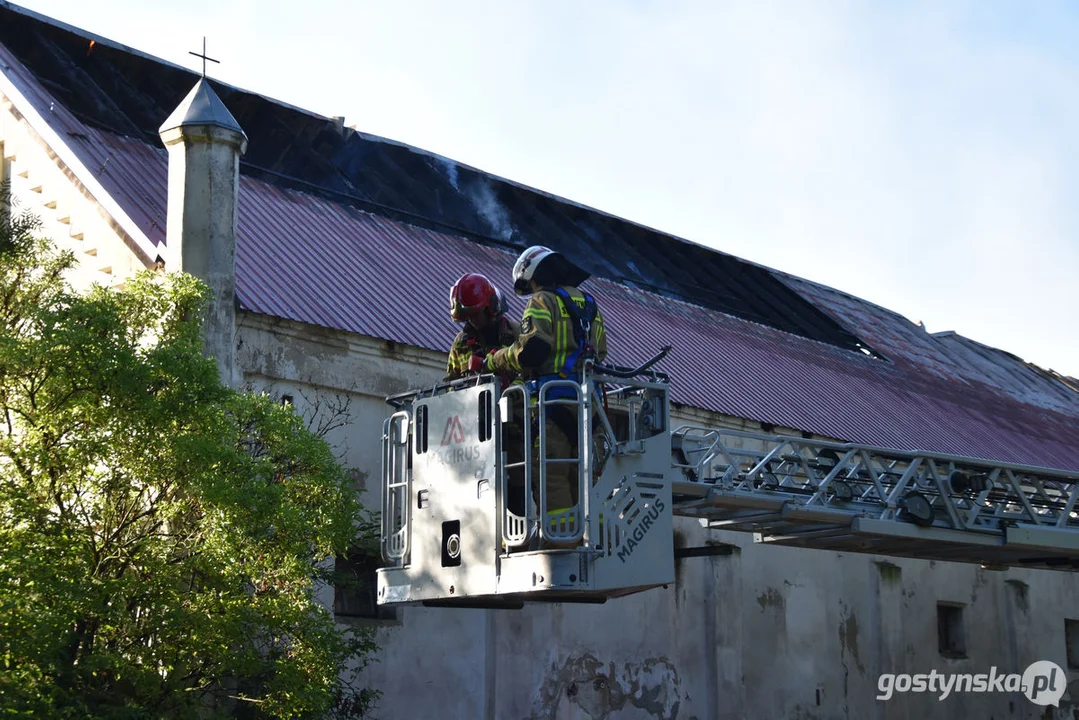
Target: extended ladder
(859, 498)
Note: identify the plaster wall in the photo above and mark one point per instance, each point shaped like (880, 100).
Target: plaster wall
(71, 216)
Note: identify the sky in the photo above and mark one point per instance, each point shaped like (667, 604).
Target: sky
(921, 155)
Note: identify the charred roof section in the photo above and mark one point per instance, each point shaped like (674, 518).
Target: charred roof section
(126, 92)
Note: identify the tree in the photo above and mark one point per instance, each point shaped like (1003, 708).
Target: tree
(161, 535)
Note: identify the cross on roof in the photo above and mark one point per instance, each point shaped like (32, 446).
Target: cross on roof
(203, 56)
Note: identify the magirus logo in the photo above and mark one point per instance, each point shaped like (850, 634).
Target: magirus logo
(643, 525)
(454, 434)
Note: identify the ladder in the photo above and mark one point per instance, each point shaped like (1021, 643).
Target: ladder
(860, 498)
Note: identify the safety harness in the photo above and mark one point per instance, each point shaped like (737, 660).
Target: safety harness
(581, 320)
(582, 330)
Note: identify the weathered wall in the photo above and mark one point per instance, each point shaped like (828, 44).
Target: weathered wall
(761, 632)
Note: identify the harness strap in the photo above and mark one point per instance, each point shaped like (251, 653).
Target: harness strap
(582, 329)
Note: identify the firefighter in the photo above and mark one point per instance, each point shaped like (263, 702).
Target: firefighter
(478, 304)
(561, 328)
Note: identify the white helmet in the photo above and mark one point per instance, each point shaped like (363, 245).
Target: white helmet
(525, 267)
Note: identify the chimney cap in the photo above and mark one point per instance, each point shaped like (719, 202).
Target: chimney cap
(202, 106)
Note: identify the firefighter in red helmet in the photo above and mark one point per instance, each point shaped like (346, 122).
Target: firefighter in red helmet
(478, 304)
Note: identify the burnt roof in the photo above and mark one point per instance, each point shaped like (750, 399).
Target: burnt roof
(336, 229)
(122, 91)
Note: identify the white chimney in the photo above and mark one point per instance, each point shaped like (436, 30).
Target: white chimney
(205, 144)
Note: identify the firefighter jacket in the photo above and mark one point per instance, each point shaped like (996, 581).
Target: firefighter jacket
(471, 342)
(546, 345)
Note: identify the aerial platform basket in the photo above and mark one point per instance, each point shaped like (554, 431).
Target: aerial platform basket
(468, 508)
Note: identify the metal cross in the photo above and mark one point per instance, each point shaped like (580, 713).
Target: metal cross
(203, 56)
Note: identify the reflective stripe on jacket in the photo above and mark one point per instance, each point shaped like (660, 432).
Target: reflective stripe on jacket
(546, 338)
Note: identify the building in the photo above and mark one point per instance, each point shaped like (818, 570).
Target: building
(345, 246)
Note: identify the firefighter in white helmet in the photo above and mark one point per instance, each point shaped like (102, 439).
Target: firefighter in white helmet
(561, 327)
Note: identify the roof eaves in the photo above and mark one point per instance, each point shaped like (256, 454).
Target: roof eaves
(14, 93)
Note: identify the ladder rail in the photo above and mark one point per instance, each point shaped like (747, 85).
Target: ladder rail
(1068, 476)
(879, 480)
(1069, 507)
(567, 524)
(944, 494)
(1022, 495)
(517, 529)
(396, 489)
(826, 483)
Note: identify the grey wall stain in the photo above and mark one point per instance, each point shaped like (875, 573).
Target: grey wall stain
(889, 572)
(848, 636)
(981, 579)
(601, 691)
(1021, 591)
(771, 598)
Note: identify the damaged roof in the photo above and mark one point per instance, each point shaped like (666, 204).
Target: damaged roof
(117, 90)
(349, 231)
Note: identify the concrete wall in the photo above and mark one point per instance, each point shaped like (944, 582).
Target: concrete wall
(761, 632)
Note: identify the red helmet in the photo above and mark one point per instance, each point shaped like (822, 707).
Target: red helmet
(472, 294)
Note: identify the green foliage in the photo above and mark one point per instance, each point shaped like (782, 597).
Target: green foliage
(160, 534)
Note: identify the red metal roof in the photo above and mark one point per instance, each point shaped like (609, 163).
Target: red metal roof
(309, 258)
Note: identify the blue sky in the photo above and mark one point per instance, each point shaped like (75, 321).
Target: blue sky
(921, 155)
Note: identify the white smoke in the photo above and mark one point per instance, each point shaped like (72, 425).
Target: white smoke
(492, 210)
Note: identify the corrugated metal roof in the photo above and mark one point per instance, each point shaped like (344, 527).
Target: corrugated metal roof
(133, 173)
(945, 355)
(138, 184)
(114, 88)
(303, 258)
(315, 255)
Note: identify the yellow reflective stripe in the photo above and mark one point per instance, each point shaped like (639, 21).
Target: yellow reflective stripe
(511, 359)
(581, 306)
(561, 346)
(458, 359)
(537, 312)
(553, 522)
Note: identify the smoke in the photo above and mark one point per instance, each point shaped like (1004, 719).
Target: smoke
(479, 191)
(450, 167)
(491, 210)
